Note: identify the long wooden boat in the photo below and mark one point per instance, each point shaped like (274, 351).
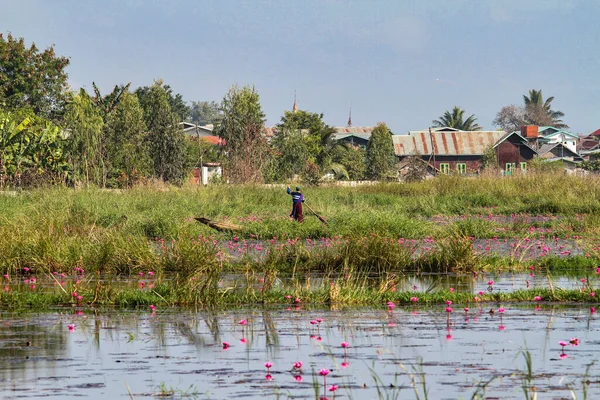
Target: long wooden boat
(220, 226)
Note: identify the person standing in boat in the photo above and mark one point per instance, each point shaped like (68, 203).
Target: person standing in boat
(297, 200)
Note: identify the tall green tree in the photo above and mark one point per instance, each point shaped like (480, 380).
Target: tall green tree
(291, 153)
(175, 100)
(32, 78)
(166, 141)
(84, 123)
(302, 141)
(242, 130)
(315, 132)
(539, 111)
(205, 112)
(456, 119)
(380, 157)
(126, 143)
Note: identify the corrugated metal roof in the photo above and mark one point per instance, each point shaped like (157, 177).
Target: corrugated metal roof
(354, 129)
(445, 143)
(587, 144)
(509, 134)
(561, 132)
(546, 148)
(565, 151)
(188, 126)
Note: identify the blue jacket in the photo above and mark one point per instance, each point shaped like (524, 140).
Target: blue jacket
(297, 197)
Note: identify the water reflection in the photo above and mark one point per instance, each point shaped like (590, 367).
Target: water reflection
(181, 348)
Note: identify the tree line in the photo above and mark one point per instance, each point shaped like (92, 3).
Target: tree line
(51, 135)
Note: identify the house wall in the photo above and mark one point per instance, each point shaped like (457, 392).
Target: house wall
(473, 162)
(569, 143)
(513, 152)
(203, 175)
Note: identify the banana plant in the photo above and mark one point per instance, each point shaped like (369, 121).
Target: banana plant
(30, 146)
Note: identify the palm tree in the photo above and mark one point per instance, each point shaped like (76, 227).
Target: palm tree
(455, 119)
(540, 112)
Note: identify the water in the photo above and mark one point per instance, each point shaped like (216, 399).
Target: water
(182, 350)
(518, 248)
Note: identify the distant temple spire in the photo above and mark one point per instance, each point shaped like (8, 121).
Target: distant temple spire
(295, 106)
(350, 117)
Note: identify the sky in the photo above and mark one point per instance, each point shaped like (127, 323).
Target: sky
(399, 62)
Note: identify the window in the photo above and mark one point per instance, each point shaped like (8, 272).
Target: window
(510, 167)
(445, 168)
(461, 168)
(523, 166)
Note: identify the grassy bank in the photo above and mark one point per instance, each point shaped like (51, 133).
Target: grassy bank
(302, 293)
(124, 232)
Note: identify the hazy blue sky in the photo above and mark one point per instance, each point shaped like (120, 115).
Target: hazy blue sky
(401, 62)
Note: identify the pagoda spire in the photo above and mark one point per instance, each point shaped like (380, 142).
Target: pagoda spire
(350, 118)
(295, 106)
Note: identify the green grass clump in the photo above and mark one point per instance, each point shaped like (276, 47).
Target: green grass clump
(353, 291)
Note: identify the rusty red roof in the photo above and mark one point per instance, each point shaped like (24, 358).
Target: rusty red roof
(213, 140)
(445, 143)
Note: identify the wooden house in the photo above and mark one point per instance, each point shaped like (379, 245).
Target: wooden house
(447, 150)
(513, 152)
(558, 151)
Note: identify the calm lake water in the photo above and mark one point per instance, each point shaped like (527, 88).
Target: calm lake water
(105, 352)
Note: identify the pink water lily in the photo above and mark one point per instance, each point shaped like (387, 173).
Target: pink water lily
(324, 372)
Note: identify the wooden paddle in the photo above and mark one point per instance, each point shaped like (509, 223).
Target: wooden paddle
(317, 215)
